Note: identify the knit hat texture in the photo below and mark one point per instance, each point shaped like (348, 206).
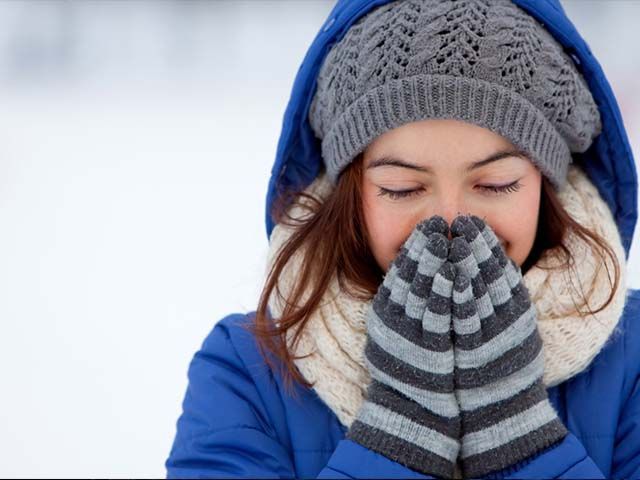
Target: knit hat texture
(486, 62)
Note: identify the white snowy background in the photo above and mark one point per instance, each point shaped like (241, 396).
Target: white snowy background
(136, 141)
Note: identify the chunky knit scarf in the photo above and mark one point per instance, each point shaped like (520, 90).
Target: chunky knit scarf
(334, 337)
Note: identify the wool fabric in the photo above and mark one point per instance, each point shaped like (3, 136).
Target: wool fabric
(482, 61)
(506, 415)
(410, 413)
(333, 341)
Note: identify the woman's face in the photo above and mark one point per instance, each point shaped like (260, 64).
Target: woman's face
(431, 167)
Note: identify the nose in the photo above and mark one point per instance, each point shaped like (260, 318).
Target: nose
(449, 210)
(450, 213)
(449, 220)
(450, 202)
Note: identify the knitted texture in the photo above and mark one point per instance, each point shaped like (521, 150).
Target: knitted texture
(331, 347)
(499, 364)
(486, 62)
(410, 413)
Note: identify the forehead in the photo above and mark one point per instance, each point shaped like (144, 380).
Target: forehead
(439, 135)
(428, 146)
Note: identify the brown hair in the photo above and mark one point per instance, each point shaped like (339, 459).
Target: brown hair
(333, 239)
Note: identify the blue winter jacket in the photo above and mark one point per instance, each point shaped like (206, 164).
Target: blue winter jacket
(237, 420)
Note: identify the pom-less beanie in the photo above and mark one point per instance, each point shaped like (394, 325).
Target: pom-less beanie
(486, 62)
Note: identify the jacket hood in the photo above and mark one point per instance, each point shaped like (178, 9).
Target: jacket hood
(608, 162)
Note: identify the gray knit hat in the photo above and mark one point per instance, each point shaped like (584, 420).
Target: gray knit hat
(487, 62)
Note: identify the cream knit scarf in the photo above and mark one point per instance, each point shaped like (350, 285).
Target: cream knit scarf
(335, 335)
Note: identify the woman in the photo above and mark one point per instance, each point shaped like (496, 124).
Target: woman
(455, 199)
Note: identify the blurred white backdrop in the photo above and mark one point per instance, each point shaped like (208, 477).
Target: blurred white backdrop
(136, 141)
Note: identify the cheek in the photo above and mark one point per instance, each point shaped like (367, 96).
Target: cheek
(514, 222)
(521, 240)
(518, 230)
(387, 230)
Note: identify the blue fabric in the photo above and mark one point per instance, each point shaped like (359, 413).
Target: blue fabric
(237, 419)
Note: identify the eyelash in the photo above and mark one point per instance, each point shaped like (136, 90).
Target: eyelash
(494, 190)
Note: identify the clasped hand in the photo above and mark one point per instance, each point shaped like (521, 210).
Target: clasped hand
(455, 357)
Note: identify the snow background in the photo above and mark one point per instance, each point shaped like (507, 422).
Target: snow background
(136, 141)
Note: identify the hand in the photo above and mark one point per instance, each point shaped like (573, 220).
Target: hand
(499, 363)
(410, 413)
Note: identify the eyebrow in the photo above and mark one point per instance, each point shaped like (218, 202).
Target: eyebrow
(396, 162)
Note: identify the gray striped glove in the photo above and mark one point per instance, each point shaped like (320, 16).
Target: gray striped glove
(410, 413)
(499, 364)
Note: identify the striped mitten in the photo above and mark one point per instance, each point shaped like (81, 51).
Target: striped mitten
(410, 413)
(499, 364)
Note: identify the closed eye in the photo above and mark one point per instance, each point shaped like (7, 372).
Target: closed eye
(396, 194)
(499, 189)
(490, 189)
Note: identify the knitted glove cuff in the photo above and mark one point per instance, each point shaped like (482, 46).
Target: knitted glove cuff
(405, 432)
(505, 433)
(525, 448)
